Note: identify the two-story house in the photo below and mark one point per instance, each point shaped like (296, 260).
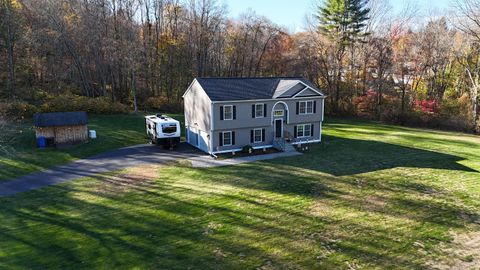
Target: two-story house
(224, 114)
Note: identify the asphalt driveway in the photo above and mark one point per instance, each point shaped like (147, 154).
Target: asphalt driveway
(102, 163)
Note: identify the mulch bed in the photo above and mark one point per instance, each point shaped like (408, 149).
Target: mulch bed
(255, 152)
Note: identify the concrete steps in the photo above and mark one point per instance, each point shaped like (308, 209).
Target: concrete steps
(288, 147)
(284, 146)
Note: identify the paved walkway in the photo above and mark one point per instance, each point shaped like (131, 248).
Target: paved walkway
(117, 160)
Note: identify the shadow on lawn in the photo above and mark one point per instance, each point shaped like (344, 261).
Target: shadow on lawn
(184, 220)
(158, 225)
(341, 157)
(352, 233)
(173, 224)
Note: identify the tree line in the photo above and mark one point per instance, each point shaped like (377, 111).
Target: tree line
(399, 67)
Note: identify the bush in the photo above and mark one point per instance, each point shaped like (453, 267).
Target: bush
(448, 117)
(366, 106)
(161, 103)
(71, 102)
(17, 110)
(427, 106)
(247, 149)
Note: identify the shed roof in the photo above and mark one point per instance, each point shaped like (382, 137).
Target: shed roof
(226, 89)
(60, 119)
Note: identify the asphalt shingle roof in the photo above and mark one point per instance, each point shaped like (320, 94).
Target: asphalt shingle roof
(60, 119)
(226, 89)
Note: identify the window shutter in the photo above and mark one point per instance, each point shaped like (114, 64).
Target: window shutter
(314, 107)
(253, 110)
(311, 130)
(263, 134)
(295, 131)
(251, 135)
(297, 107)
(234, 112)
(221, 138)
(221, 112)
(233, 137)
(264, 110)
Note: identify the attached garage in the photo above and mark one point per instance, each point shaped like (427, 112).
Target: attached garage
(197, 138)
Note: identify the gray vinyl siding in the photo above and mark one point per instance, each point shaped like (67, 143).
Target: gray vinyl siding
(305, 118)
(307, 93)
(202, 123)
(197, 108)
(242, 136)
(244, 114)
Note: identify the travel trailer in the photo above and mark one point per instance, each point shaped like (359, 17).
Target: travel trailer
(163, 130)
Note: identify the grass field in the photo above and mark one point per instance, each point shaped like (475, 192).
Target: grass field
(370, 196)
(113, 132)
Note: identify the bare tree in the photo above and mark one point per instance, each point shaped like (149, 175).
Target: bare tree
(468, 21)
(9, 29)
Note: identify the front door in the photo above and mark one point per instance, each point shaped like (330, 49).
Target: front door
(278, 128)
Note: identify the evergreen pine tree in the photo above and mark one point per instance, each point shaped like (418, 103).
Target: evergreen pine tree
(344, 20)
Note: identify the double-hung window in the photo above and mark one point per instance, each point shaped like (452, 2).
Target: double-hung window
(228, 112)
(227, 138)
(259, 110)
(257, 135)
(304, 130)
(305, 107)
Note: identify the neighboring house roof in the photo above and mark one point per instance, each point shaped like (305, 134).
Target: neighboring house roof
(229, 89)
(60, 119)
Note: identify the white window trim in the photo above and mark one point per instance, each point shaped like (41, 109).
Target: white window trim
(263, 110)
(306, 111)
(303, 130)
(261, 135)
(231, 110)
(280, 115)
(223, 138)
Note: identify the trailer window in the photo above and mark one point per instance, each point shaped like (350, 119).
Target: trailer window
(169, 128)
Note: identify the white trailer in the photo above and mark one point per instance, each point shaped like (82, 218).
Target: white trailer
(163, 130)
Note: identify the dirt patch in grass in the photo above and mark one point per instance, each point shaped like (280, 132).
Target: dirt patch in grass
(320, 209)
(374, 203)
(462, 254)
(139, 177)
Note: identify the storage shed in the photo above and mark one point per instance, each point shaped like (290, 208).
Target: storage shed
(61, 128)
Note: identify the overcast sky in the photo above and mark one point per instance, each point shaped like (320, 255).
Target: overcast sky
(291, 13)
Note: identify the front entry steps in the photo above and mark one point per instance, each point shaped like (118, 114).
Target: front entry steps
(282, 145)
(289, 147)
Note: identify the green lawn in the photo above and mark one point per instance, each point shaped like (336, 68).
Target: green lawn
(370, 196)
(113, 132)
